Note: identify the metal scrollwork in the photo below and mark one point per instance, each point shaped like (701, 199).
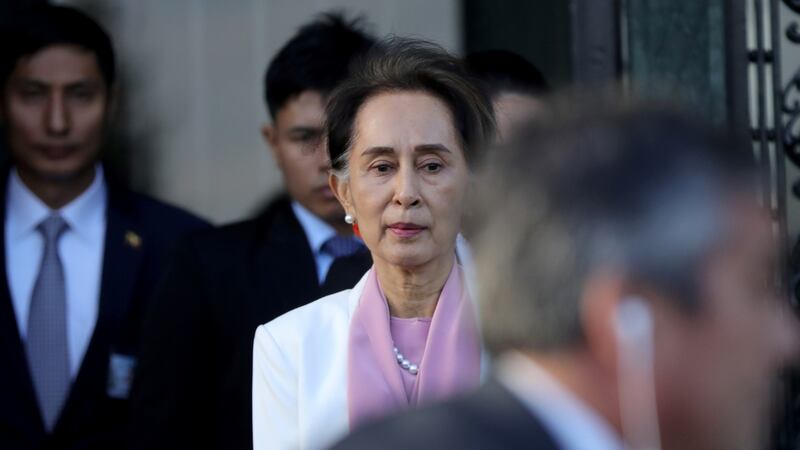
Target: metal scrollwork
(791, 108)
(794, 5)
(793, 33)
(790, 104)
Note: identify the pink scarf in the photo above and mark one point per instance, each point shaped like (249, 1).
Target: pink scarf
(450, 364)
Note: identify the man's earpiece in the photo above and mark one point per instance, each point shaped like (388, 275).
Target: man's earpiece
(633, 327)
(633, 323)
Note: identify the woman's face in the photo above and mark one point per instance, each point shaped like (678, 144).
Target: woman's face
(408, 179)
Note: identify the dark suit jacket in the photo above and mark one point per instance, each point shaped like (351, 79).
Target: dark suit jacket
(91, 419)
(487, 419)
(194, 385)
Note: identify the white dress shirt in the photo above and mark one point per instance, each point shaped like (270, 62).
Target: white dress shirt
(571, 423)
(317, 232)
(80, 249)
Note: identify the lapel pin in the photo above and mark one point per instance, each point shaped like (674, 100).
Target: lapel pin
(132, 239)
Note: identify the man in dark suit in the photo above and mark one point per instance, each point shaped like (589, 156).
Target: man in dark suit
(629, 300)
(193, 387)
(80, 256)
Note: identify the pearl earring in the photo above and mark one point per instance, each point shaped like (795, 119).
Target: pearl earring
(348, 218)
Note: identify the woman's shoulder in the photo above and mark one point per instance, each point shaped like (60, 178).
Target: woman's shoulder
(323, 316)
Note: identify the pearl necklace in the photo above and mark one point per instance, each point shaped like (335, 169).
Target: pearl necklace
(413, 369)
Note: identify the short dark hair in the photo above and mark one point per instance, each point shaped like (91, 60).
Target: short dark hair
(44, 25)
(505, 71)
(641, 190)
(399, 64)
(316, 58)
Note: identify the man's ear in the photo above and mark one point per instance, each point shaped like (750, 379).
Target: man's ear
(341, 189)
(270, 135)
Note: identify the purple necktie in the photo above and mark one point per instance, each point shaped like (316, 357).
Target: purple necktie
(46, 342)
(340, 246)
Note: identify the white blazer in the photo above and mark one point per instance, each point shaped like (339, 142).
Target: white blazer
(300, 371)
(300, 374)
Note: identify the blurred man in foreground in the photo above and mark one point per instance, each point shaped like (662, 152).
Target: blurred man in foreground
(626, 279)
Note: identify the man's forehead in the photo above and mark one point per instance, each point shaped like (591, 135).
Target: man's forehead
(58, 64)
(306, 110)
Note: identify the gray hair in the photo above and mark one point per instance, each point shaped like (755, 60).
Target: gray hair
(635, 190)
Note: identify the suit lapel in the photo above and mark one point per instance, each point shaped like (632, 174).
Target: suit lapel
(124, 249)
(345, 272)
(283, 267)
(122, 256)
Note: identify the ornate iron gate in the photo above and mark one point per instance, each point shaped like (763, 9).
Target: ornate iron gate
(773, 45)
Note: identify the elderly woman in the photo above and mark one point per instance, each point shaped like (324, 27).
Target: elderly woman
(402, 133)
